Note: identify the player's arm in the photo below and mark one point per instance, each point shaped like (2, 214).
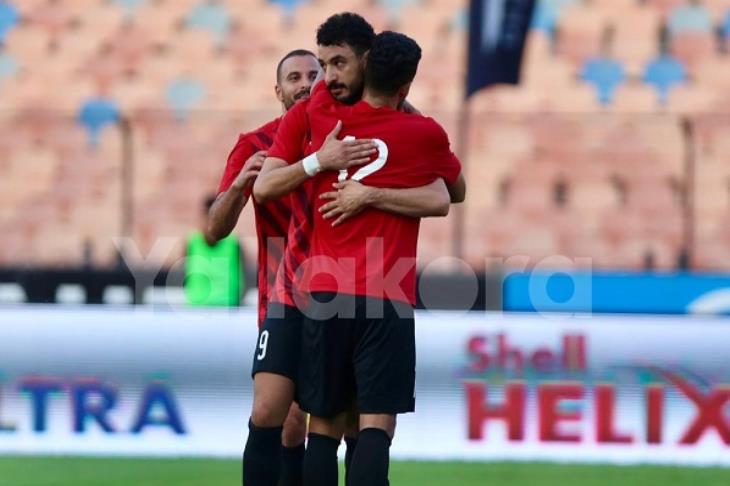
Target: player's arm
(226, 209)
(278, 177)
(350, 197)
(457, 190)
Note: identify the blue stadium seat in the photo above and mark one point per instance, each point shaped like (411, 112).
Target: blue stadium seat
(213, 18)
(394, 7)
(726, 26)
(95, 115)
(182, 94)
(8, 66)
(545, 18)
(9, 18)
(547, 14)
(663, 73)
(130, 6)
(690, 18)
(460, 20)
(605, 75)
(289, 6)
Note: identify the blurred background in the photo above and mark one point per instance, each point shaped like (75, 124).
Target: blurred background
(599, 184)
(118, 117)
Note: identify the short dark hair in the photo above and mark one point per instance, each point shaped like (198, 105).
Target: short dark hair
(294, 53)
(392, 62)
(346, 28)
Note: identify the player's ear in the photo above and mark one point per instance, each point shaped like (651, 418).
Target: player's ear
(403, 91)
(279, 93)
(365, 59)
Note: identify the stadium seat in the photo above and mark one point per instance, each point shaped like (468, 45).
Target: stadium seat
(634, 50)
(130, 6)
(606, 75)
(54, 18)
(664, 7)
(212, 17)
(692, 48)
(289, 6)
(182, 94)
(9, 18)
(692, 17)
(632, 97)
(96, 114)
(663, 73)
(580, 34)
(8, 67)
(394, 8)
(544, 19)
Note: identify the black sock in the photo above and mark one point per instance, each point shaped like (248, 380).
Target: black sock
(351, 445)
(262, 456)
(292, 466)
(371, 460)
(320, 461)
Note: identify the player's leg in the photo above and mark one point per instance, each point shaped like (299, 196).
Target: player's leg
(385, 373)
(326, 383)
(275, 369)
(371, 461)
(273, 395)
(320, 462)
(352, 429)
(292, 454)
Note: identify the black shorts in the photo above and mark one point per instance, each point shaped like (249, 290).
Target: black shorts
(357, 351)
(279, 343)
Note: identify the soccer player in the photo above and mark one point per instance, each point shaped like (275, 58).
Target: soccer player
(295, 74)
(354, 36)
(362, 340)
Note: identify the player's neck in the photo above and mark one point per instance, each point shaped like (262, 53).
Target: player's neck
(377, 100)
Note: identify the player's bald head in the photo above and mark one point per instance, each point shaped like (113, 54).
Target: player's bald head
(295, 53)
(295, 75)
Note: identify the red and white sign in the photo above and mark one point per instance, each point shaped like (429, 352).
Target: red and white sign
(625, 389)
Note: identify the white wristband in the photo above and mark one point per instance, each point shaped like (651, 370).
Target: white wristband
(311, 164)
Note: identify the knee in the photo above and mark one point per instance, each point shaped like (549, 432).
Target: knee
(295, 428)
(272, 398)
(268, 414)
(386, 423)
(331, 427)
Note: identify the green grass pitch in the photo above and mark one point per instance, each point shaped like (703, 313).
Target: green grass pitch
(77, 471)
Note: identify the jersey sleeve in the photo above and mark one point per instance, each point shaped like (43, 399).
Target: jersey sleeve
(292, 134)
(443, 162)
(241, 152)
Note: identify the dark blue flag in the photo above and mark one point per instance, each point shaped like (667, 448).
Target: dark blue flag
(497, 33)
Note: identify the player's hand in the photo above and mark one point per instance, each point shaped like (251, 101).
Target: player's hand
(342, 154)
(348, 199)
(250, 170)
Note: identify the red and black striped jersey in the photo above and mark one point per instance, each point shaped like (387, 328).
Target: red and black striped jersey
(272, 218)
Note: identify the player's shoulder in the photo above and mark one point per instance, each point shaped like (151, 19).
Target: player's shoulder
(263, 135)
(428, 127)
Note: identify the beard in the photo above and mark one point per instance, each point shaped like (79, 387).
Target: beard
(290, 101)
(353, 93)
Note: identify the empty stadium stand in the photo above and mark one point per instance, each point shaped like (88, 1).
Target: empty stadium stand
(117, 117)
